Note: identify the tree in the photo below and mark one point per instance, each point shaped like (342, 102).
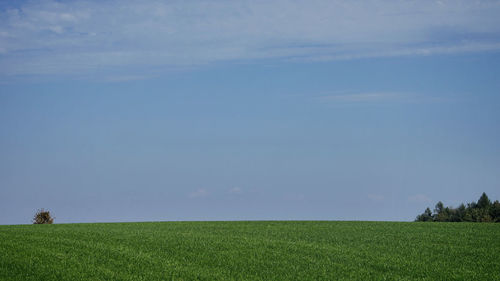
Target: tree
(484, 202)
(468, 217)
(425, 216)
(438, 210)
(481, 211)
(460, 213)
(439, 207)
(444, 215)
(495, 211)
(43, 217)
(484, 216)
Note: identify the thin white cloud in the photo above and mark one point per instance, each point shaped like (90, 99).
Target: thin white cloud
(292, 196)
(376, 197)
(235, 190)
(201, 192)
(378, 97)
(420, 198)
(362, 97)
(81, 37)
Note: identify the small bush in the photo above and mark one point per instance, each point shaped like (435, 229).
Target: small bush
(43, 217)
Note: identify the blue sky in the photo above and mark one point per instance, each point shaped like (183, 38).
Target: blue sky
(224, 110)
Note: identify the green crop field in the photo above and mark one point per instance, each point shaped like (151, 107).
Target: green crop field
(260, 250)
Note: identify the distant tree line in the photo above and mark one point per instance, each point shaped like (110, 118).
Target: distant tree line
(481, 211)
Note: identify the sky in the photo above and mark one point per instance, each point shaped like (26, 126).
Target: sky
(116, 111)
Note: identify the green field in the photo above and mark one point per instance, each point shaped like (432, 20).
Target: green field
(260, 250)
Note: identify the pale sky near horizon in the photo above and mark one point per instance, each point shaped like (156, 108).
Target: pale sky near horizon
(247, 110)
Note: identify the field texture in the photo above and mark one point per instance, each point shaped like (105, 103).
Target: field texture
(251, 251)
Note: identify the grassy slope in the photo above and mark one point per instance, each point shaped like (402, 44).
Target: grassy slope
(251, 251)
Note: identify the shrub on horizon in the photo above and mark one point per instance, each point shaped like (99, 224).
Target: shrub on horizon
(43, 217)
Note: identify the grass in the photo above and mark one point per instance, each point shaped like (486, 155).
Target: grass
(255, 250)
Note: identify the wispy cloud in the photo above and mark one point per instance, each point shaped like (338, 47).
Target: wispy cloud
(420, 198)
(235, 190)
(201, 192)
(81, 37)
(345, 97)
(362, 97)
(376, 197)
(293, 196)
